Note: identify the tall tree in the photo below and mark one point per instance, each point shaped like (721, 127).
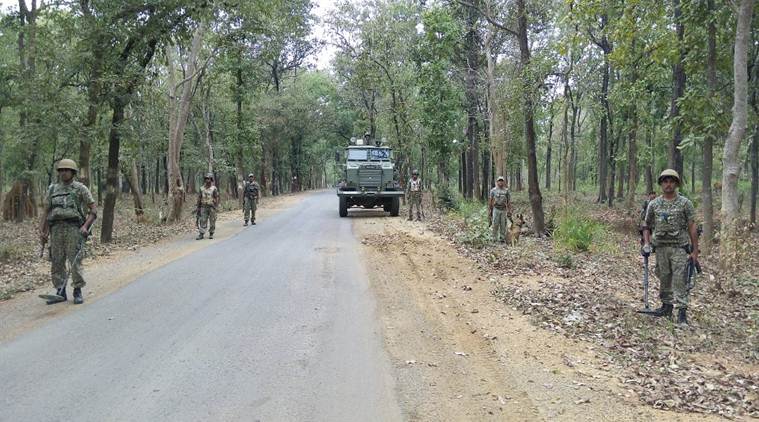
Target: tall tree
(179, 111)
(731, 163)
(675, 157)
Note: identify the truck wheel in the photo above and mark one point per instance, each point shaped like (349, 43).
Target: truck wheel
(387, 205)
(343, 206)
(395, 207)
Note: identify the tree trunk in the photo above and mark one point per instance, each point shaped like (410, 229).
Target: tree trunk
(495, 128)
(238, 151)
(548, 147)
(118, 104)
(536, 199)
(473, 189)
(564, 163)
(20, 202)
(675, 158)
(131, 174)
(649, 163)
(754, 174)
(179, 110)
(708, 154)
(731, 166)
(112, 173)
(573, 145)
(603, 143)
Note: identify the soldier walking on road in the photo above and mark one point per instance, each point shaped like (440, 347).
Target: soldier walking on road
(250, 199)
(208, 202)
(414, 192)
(69, 213)
(499, 209)
(675, 237)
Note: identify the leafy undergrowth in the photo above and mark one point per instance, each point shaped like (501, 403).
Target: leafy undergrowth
(710, 367)
(22, 269)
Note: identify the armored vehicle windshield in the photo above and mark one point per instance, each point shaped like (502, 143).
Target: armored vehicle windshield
(369, 154)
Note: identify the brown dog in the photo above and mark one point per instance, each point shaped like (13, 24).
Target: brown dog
(515, 229)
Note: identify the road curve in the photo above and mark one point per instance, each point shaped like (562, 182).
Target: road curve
(276, 323)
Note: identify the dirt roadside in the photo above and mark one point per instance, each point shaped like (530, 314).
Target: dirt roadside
(459, 354)
(106, 274)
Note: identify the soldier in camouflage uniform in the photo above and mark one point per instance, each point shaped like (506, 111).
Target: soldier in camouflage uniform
(250, 199)
(675, 237)
(414, 192)
(208, 202)
(69, 213)
(499, 209)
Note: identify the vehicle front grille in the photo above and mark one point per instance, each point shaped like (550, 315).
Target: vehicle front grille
(369, 178)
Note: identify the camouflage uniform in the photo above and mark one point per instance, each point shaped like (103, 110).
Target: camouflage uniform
(206, 198)
(669, 220)
(415, 198)
(501, 199)
(250, 201)
(69, 204)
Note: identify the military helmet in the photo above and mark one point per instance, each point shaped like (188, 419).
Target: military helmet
(415, 172)
(500, 178)
(669, 173)
(209, 176)
(67, 164)
(251, 175)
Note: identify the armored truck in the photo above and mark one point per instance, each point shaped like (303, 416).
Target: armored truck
(369, 178)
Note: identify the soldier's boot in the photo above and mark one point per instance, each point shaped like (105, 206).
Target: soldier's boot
(60, 297)
(682, 318)
(210, 235)
(664, 311)
(78, 299)
(246, 223)
(200, 236)
(252, 222)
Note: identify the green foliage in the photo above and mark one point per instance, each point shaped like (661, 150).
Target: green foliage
(577, 232)
(10, 252)
(476, 231)
(565, 260)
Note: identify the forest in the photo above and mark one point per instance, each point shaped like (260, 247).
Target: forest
(588, 99)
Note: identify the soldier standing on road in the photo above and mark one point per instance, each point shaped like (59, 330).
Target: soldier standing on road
(250, 199)
(208, 201)
(675, 236)
(499, 209)
(414, 193)
(69, 213)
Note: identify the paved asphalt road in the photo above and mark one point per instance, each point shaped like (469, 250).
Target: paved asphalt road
(276, 323)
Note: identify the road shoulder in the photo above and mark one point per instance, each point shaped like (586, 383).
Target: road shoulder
(459, 354)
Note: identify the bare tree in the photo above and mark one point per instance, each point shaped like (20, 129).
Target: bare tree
(179, 110)
(731, 164)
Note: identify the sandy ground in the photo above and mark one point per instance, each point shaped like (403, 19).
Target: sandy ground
(461, 355)
(108, 273)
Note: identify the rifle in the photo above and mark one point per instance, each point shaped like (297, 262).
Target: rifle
(692, 268)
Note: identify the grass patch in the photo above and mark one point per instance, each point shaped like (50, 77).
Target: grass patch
(11, 252)
(565, 261)
(475, 216)
(578, 232)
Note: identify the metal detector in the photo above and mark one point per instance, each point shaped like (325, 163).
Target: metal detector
(646, 252)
